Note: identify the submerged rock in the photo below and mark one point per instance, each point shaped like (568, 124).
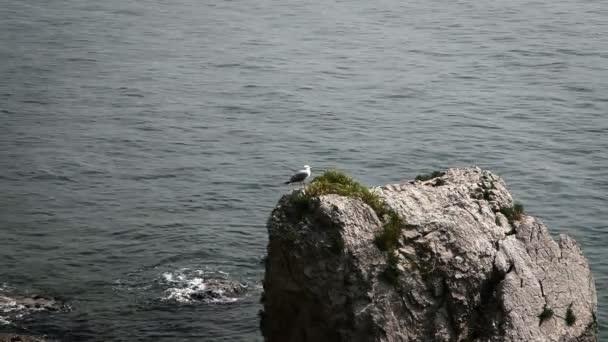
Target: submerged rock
(219, 291)
(20, 338)
(467, 266)
(14, 308)
(31, 303)
(193, 286)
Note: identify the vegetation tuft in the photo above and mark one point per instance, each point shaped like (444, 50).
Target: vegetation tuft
(336, 182)
(487, 195)
(429, 176)
(570, 317)
(392, 273)
(388, 239)
(513, 213)
(545, 314)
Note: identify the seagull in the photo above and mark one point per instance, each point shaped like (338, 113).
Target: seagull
(300, 176)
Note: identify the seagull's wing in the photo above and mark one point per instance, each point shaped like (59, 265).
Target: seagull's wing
(298, 176)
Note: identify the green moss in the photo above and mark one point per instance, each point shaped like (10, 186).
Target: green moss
(391, 272)
(518, 209)
(429, 176)
(570, 317)
(336, 182)
(513, 213)
(545, 314)
(487, 195)
(388, 238)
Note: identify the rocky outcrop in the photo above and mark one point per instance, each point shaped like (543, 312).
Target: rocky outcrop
(18, 307)
(20, 338)
(218, 291)
(30, 303)
(467, 269)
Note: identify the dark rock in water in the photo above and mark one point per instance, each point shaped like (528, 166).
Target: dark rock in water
(218, 290)
(20, 338)
(466, 265)
(32, 303)
(15, 308)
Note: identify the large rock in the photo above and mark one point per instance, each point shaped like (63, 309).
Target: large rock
(468, 273)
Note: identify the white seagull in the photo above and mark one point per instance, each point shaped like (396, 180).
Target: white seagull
(300, 176)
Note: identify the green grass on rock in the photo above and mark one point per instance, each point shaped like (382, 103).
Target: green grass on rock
(515, 213)
(570, 317)
(388, 239)
(545, 314)
(429, 176)
(339, 183)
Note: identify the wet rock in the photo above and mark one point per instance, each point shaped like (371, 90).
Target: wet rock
(32, 303)
(20, 338)
(465, 269)
(218, 289)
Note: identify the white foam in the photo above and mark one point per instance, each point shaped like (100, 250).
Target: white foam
(9, 306)
(4, 321)
(6, 305)
(191, 286)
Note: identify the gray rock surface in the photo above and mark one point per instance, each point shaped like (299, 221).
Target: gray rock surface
(467, 273)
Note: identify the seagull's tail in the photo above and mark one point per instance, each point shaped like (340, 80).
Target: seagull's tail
(288, 182)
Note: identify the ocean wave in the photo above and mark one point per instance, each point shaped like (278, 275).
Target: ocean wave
(15, 307)
(198, 286)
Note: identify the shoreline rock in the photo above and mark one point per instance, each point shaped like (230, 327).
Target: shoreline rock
(7, 337)
(467, 266)
(15, 307)
(31, 303)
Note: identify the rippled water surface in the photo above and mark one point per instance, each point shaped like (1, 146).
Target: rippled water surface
(143, 143)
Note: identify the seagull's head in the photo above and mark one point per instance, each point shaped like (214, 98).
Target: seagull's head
(307, 167)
